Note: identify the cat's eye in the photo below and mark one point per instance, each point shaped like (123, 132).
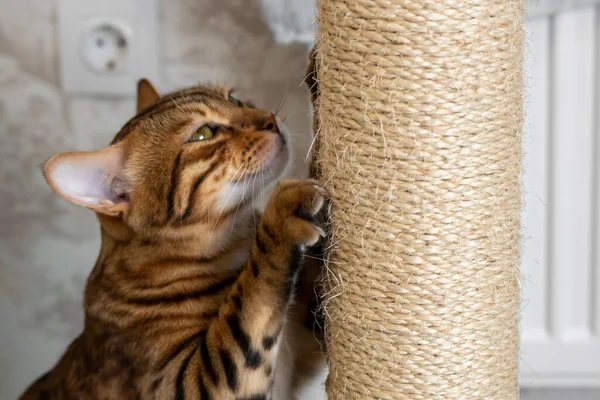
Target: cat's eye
(235, 101)
(203, 133)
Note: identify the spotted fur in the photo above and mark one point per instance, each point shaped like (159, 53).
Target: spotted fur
(191, 294)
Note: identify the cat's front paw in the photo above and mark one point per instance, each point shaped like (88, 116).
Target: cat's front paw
(293, 211)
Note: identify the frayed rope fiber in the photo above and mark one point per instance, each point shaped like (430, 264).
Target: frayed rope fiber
(420, 115)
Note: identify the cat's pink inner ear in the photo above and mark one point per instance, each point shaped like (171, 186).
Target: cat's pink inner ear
(90, 179)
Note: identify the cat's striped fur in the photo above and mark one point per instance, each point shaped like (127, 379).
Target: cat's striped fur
(190, 293)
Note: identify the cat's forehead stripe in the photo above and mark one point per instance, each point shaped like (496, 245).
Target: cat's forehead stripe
(179, 99)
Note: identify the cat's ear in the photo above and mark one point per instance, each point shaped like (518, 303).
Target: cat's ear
(146, 94)
(93, 179)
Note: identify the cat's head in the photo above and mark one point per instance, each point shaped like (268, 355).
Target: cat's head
(186, 157)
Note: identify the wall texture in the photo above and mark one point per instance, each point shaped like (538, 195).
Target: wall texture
(47, 246)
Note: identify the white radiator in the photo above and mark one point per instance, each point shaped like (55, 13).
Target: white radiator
(561, 277)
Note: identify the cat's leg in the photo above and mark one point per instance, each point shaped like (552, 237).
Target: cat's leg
(255, 316)
(235, 358)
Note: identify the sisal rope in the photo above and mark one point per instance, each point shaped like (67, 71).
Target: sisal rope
(420, 111)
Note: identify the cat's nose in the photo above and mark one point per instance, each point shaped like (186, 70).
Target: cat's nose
(270, 124)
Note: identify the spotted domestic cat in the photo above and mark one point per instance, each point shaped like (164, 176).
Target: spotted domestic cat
(191, 294)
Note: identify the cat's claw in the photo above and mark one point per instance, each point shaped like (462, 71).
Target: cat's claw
(296, 204)
(321, 231)
(321, 190)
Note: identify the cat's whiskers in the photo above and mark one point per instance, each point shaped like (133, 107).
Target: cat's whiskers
(238, 207)
(314, 258)
(260, 179)
(253, 206)
(312, 145)
(235, 215)
(304, 80)
(215, 223)
(287, 116)
(180, 219)
(228, 197)
(262, 186)
(244, 188)
(283, 100)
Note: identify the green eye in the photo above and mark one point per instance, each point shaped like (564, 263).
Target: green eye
(203, 133)
(235, 101)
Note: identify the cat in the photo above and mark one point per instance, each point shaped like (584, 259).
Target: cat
(191, 294)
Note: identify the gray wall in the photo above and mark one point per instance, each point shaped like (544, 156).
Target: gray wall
(48, 246)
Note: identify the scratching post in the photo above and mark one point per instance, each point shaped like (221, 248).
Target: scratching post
(420, 113)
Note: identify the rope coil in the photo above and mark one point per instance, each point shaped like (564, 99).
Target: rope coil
(420, 115)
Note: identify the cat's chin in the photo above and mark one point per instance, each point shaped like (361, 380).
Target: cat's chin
(275, 167)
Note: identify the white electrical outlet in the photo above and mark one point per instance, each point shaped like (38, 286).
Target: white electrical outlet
(106, 46)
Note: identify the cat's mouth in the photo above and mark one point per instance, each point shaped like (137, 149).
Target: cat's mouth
(272, 168)
(249, 185)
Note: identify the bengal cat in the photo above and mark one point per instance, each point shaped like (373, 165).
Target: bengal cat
(190, 294)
